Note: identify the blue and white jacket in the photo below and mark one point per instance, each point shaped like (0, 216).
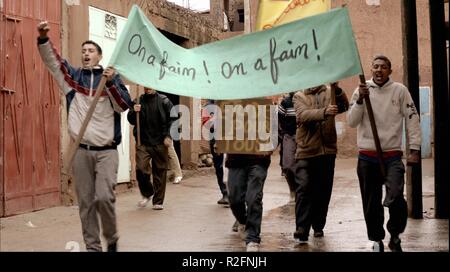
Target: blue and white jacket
(79, 86)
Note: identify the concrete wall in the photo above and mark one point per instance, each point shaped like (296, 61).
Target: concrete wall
(216, 9)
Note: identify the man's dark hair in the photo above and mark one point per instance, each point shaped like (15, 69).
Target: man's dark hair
(99, 49)
(382, 57)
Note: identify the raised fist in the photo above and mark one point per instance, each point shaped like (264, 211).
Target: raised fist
(43, 28)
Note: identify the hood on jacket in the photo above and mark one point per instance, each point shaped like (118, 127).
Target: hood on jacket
(371, 83)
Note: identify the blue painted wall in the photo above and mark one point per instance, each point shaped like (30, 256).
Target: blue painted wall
(425, 121)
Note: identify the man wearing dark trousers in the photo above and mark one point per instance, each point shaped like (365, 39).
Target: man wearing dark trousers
(316, 154)
(246, 177)
(155, 125)
(394, 107)
(208, 119)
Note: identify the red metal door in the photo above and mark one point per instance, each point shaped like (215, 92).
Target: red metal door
(30, 110)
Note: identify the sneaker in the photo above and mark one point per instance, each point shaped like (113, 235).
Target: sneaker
(242, 232)
(112, 247)
(301, 236)
(143, 203)
(252, 247)
(394, 244)
(318, 233)
(235, 226)
(223, 200)
(177, 180)
(378, 246)
(157, 207)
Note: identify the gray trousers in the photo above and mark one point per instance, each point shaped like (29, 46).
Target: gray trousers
(245, 192)
(95, 174)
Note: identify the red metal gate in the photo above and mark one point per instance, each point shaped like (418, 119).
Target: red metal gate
(30, 117)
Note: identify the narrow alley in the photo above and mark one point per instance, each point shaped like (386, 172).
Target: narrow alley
(192, 221)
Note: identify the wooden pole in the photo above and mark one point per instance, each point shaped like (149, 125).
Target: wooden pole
(411, 78)
(441, 106)
(332, 99)
(373, 126)
(73, 148)
(138, 120)
(333, 94)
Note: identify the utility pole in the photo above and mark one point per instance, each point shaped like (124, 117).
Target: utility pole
(441, 108)
(411, 79)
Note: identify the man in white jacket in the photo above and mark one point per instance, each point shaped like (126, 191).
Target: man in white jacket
(393, 105)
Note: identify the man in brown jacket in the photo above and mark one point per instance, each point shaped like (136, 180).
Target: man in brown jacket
(315, 156)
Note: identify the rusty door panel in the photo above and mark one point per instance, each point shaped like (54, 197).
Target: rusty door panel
(46, 137)
(13, 122)
(31, 118)
(2, 111)
(18, 124)
(49, 10)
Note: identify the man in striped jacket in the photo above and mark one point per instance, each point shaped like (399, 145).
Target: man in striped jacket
(96, 161)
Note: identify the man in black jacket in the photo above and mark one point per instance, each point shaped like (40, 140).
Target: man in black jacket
(155, 122)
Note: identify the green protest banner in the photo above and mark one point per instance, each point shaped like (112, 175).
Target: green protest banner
(294, 56)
